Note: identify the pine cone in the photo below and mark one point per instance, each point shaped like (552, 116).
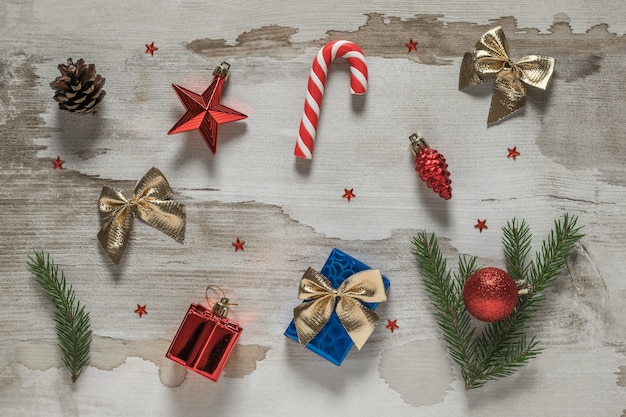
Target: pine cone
(78, 88)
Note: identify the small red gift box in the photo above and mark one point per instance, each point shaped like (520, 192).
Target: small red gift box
(205, 340)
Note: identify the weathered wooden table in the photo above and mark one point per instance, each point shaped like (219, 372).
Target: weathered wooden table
(291, 213)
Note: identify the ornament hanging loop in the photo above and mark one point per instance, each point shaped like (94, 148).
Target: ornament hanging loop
(222, 306)
(523, 288)
(222, 70)
(417, 143)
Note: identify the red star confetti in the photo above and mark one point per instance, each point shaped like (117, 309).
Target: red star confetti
(348, 194)
(58, 163)
(513, 153)
(238, 244)
(391, 325)
(482, 224)
(150, 49)
(141, 310)
(412, 45)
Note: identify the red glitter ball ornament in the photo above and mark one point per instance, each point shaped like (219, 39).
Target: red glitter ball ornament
(490, 294)
(431, 166)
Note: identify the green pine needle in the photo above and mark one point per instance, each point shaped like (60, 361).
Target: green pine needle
(501, 347)
(516, 242)
(72, 321)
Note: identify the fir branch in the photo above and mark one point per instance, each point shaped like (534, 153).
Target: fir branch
(502, 347)
(516, 240)
(445, 294)
(72, 321)
(549, 261)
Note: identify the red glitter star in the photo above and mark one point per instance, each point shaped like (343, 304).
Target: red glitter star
(151, 48)
(513, 153)
(238, 244)
(391, 325)
(204, 112)
(482, 224)
(412, 45)
(348, 194)
(141, 310)
(58, 163)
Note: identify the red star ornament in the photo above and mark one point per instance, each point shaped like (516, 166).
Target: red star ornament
(58, 163)
(348, 194)
(141, 310)
(150, 48)
(391, 325)
(481, 224)
(238, 244)
(513, 153)
(204, 112)
(412, 45)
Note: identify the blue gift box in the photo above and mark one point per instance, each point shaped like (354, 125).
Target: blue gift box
(333, 342)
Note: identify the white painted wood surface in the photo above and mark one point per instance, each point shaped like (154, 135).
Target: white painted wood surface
(290, 213)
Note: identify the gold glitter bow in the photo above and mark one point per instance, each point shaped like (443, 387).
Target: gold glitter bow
(491, 61)
(358, 320)
(151, 201)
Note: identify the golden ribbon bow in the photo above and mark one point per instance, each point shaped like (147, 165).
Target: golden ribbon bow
(358, 320)
(151, 201)
(491, 61)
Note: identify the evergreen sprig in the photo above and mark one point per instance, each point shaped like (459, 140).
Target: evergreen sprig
(501, 347)
(72, 321)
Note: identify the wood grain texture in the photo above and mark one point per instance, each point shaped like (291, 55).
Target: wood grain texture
(290, 212)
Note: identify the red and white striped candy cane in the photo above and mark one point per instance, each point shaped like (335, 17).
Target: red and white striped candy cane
(315, 88)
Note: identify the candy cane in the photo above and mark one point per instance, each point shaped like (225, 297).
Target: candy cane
(315, 88)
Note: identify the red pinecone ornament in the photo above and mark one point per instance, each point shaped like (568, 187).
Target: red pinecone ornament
(431, 166)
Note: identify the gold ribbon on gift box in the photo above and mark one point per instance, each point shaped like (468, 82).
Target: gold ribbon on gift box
(347, 300)
(151, 201)
(490, 61)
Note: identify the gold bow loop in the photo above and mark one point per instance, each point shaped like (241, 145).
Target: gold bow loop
(358, 320)
(151, 201)
(490, 61)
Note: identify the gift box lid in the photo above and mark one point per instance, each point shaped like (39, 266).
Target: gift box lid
(333, 342)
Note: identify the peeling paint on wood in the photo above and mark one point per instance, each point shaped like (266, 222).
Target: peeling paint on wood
(420, 383)
(439, 41)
